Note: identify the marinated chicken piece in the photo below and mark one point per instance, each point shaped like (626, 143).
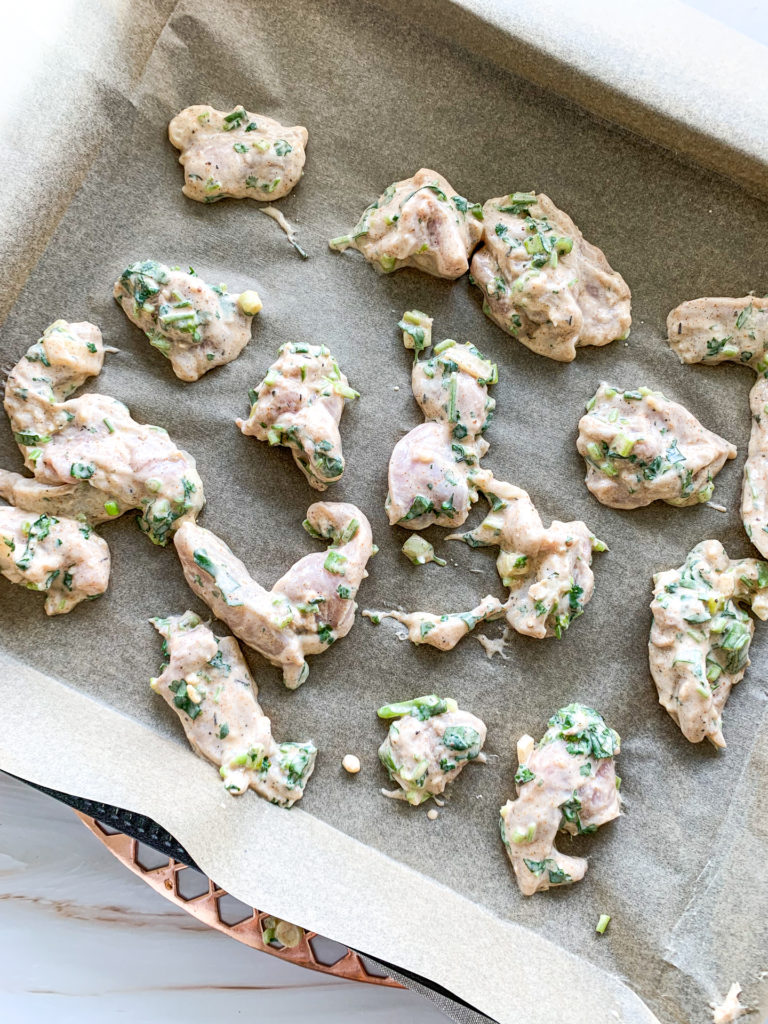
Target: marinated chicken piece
(566, 783)
(434, 470)
(543, 282)
(71, 444)
(734, 330)
(429, 742)
(309, 608)
(548, 571)
(206, 681)
(699, 645)
(60, 557)
(193, 324)
(640, 447)
(418, 222)
(237, 155)
(441, 631)
(299, 405)
(75, 501)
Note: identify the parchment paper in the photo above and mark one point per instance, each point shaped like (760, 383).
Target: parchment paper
(683, 872)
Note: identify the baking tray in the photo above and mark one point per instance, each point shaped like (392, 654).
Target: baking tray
(683, 232)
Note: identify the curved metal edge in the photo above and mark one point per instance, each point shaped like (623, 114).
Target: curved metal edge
(205, 908)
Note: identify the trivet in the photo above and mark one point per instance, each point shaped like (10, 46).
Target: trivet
(199, 896)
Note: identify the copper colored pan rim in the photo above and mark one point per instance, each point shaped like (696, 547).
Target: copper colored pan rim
(205, 908)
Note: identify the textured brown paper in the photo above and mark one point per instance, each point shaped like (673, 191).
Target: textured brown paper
(683, 872)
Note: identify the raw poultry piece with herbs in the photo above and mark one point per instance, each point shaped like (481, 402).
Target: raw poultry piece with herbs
(299, 405)
(89, 457)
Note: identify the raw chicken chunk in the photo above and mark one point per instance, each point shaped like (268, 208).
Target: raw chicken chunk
(193, 324)
(429, 742)
(734, 330)
(547, 571)
(543, 282)
(640, 447)
(565, 783)
(699, 645)
(441, 631)
(435, 468)
(418, 222)
(73, 445)
(299, 405)
(206, 681)
(236, 155)
(62, 558)
(308, 609)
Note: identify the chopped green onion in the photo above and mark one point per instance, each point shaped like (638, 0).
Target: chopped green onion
(335, 562)
(622, 445)
(419, 551)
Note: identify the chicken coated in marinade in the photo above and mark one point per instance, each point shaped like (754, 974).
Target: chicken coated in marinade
(93, 442)
(196, 326)
(699, 643)
(236, 155)
(206, 681)
(640, 447)
(546, 570)
(307, 610)
(299, 405)
(565, 783)
(434, 470)
(59, 557)
(543, 282)
(721, 330)
(419, 222)
(429, 743)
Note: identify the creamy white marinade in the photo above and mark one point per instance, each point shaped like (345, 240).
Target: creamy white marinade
(640, 447)
(699, 643)
(543, 282)
(429, 742)
(193, 324)
(565, 783)
(419, 222)
(299, 405)
(734, 330)
(205, 679)
(59, 557)
(93, 440)
(236, 155)
(547, 571)
(307, 610)
(434, 470)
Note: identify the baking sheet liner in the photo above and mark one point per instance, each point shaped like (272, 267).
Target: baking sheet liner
(683, 872)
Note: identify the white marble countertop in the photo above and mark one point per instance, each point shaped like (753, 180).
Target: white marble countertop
(83, 940)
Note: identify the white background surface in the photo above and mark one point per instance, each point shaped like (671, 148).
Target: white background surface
(81, 938)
